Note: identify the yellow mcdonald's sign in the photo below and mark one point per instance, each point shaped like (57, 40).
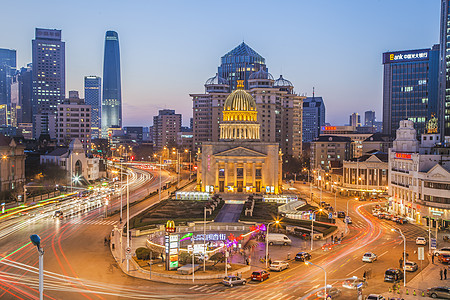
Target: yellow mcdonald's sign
(170, 226)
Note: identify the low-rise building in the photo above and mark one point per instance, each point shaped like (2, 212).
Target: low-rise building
(12, 164)
(328, 149)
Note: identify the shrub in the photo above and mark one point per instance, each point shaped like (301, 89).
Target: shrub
(143, 253)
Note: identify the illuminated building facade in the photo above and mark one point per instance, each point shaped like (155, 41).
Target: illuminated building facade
(239, 162)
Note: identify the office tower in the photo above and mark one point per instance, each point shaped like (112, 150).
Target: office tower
(111, 110)
(73, 121)
(444, 73)
(7, 70)
(369, 118)
(313, 117)
(410, 88)
(134, 133)
(166, 126)
(49, 79)
(355, 120)
(26, 93)
(93, 97)
(239, 64)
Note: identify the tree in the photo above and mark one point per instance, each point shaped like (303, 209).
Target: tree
(218, 257)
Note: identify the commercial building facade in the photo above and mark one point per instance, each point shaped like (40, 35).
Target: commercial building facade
(7, 70)
(166, 126)
(410, 88)
(328, 150)
(313, 117)
(49, 79)
(111, 109)
(93, 97)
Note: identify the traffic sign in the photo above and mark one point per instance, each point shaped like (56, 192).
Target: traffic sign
(433, 243)
(330, 215)
(421, 253)
(128, 250)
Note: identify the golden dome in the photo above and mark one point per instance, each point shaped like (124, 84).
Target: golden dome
(240, 100)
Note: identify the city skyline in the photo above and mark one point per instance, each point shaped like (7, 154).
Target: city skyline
(167, 48)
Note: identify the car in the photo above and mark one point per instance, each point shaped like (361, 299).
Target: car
(375, 297)
(445, 250)
(421, 241)
(57, 214)
(302, 256)
(348, 220)
(328, 246)
(353, 283)
(369, 257)
(392, 275)
(439, 292)
(233, 280)
(279, 265)
(341, 214)
(411, 266)
(332, 293)
(260, 275)
(444, 258)
(278, 239)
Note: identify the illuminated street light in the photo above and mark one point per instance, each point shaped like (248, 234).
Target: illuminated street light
(404, 253)
(36, 240)
(325, 290)
(267, 238)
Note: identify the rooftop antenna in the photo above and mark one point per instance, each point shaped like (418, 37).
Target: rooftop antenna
(313, 92)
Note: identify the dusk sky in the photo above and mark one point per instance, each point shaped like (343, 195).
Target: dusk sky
(170, 48)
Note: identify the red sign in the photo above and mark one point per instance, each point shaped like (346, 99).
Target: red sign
(403, 155)
(325, 128)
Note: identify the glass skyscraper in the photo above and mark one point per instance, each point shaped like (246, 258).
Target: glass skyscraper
(313, 118)
(7, 69)
(410, 85)
(93, 97)
(49, 79)
(444, 85)
(239, 63)
(111, 110)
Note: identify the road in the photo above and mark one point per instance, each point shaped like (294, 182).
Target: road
(82, 266)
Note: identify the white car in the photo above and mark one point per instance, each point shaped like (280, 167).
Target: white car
(421, 241)
(353, 283)
(445, 250)
(279, 265)
(375, 297)
(369, 257)
(410, 266)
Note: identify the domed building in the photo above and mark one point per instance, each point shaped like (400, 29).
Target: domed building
(239, 161)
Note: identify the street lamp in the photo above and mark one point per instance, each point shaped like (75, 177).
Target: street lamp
(190, 159)
(267, 239)
(310, 186)
(335, 194)
(325, 290)
(36, 240)
(404, 253)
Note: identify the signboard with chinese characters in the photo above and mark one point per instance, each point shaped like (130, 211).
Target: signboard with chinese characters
(405, 56)
(172, 247)
(210, 237)
(403, 155)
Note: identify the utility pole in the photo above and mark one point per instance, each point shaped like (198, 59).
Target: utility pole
(128, 225)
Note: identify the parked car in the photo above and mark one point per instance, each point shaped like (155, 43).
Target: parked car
(233, 280)
(421, 241)
(369, 257)
(302, 256)
(375, 297)
(444, 258)
(392, 275)
(341, 214)
(279, 265)
(278, 239)
(332, 293)
(57, 214)
(439, 292)
(260, 275)
(445, 250)
(411, 266)
(353, 283)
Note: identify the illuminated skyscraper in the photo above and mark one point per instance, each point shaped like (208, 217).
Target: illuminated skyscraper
(93, 97)
(111, 111)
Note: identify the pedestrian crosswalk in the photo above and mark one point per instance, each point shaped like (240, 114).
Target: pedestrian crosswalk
(241, 292)
(93, 222)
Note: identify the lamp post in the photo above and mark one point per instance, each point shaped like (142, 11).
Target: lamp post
(325, 290)
(313, 216)
(335, 195)
(310, 186)
(404, 253)
(128, 224)
(36, 240)
(204, 241)
(190, 159)
(267, 239)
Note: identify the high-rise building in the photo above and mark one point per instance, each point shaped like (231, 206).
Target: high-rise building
(313, 117)
(444, 73)
(111, 110)
(355, 120)
(73, 121)
(93, 97)
(410, 88)
(49, 79)
(239, 64)
(26, 93)
(166, 126)
(7, 70)
(369, 118)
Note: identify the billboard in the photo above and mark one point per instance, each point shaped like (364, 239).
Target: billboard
(405, 56)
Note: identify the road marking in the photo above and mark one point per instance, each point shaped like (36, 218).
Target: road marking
(314, 287)
(193, 287)
(383, 254)
(355, 270)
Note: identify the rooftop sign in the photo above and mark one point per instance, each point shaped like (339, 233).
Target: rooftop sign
(403, 155)
(405, 56)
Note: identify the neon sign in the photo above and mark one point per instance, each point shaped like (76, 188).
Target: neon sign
(402, 155)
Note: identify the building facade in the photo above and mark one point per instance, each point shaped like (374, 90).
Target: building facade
(73, 121)
(313, 117)
(166, 126)
(410, 88)
(93, 97)
(111, 110)
(12, 164)
(444, 75)
(369, 118)
(330, 150)
(354, 120)
(49, 78)
(240, 162)
(419, 177)
(7, 70)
